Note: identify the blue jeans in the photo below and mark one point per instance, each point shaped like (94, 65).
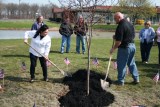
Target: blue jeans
(125, 56)
(65, 39)
(81, 39)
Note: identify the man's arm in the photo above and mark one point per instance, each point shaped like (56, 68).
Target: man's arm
(116, 45)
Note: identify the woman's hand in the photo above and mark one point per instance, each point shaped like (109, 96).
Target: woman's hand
(26, 41)
(46, 57)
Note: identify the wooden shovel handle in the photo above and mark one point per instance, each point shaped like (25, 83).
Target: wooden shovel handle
(65, 74)
(109, 63)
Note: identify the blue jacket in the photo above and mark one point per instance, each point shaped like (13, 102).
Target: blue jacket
(36, 26)
(149, 37)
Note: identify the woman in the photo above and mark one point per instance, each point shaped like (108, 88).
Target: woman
(146, 36)
(41, 41)
(66, 31)
(80, 29)
(158, 41)
(38, 23)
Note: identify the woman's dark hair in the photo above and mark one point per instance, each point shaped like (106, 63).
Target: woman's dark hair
(41, 29)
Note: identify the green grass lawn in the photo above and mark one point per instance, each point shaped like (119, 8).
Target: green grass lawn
(19, 92)
(26, 24)
(22, 24)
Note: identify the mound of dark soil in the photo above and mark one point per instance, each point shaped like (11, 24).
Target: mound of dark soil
(77, 96)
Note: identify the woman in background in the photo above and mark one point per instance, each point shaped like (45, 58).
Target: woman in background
(80, 29)
(158, 41)
(39, 22)
(146, 36)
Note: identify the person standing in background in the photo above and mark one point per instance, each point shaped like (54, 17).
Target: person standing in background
(80, 29)
(146, 36)
(40, 41)
(39, 22)
(124, 41)
(158, 42)
(66, 31)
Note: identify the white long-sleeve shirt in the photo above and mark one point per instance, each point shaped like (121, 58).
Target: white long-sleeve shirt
(42, 46)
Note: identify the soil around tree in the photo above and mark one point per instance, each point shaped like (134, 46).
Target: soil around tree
(77, 96)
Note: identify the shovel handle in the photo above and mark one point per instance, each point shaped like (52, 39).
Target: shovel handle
(108, 67)
(109, 62)
(64, 73)
(48, 60)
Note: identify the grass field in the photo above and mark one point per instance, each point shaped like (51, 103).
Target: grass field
(26, 24)
(18, 92)
(22, 24)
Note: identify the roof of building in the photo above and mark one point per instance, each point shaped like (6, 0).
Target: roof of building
(98, 8)
(103, 7)
(57, 10)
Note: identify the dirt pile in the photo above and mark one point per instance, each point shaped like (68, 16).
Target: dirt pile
(77, 96)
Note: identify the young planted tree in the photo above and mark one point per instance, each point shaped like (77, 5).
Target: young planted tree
(88, 9)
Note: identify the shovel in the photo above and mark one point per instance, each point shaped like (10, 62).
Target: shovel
(104, 83)
(64, 73)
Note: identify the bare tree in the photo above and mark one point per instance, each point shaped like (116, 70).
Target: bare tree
(52, 4)
(86, 8)
(12, 10)
(1, 8)
(24, 10)
(34, 9)
(46, 10)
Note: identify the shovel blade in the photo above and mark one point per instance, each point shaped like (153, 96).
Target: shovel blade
(104, 84)
(67, 75)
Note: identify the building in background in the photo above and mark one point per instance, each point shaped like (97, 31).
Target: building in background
(102, 14)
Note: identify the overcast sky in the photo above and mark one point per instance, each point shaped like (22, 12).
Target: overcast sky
(40, 2)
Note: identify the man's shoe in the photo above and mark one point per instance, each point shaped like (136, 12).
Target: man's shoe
(118, 83)
(135, 82)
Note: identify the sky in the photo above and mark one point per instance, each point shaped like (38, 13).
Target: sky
(40, 2)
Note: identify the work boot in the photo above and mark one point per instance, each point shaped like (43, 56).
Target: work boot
(118, 83)
(135, 82)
